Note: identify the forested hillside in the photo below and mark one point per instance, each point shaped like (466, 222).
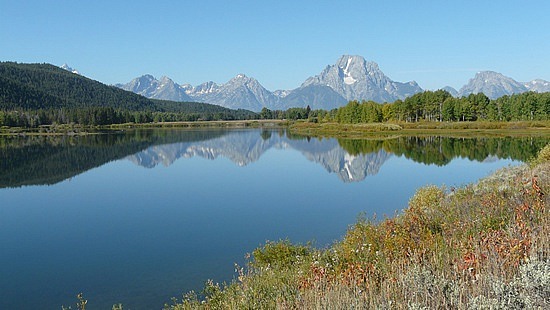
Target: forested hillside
(41, 86)
(42, 94)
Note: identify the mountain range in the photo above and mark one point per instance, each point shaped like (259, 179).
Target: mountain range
(350, 78)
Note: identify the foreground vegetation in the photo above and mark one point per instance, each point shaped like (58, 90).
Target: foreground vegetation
(482, 246)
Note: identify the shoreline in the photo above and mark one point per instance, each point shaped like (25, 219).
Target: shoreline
(74, 130)
(311, 129)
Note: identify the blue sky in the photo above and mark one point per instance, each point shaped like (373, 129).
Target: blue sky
(280, 43)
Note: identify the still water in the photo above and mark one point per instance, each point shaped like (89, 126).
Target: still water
(138, 217)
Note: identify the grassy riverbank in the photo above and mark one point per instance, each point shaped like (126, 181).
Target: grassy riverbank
(76, 129)
(482, 246)
(210, 124)
(311, 129)
(525, 128)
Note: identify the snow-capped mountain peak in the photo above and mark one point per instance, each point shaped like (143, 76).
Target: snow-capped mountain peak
(148, 86)
(353, 78)
(66, 67)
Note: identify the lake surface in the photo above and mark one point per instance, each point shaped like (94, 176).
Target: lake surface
(141, 216)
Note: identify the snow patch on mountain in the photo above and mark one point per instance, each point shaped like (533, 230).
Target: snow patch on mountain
(66, 67)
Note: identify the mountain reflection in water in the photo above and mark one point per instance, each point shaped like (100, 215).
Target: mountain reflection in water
(49, 160)
(246, 147)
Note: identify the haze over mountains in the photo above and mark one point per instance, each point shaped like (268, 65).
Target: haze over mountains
(350, 78)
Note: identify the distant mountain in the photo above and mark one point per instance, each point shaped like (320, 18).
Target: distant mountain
(241, 92)
(356, 79)
(451, 91)
(538, 85)
(495, 85)
(164, 89)
(204, 89)
(316, 96)
(492, 84)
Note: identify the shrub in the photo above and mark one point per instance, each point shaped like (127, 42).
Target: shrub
(544, 154)
(281, 254)
(530, 289)
(542, 157)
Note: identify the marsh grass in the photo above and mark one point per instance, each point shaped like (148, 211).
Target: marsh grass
(342, 131)
(481, 246)
(449, 129)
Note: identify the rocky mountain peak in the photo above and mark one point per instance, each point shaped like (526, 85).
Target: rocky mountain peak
(147, 77)
(148, 86)
(354, 78)
(492, 84)
(242, 79)
(141, 85)
(538, 85)
(203, 89)
(165, 79)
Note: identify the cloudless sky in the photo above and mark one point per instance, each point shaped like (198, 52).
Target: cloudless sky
(280, 43)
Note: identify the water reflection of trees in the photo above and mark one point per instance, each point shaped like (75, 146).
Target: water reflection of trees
(45, 160)
(441, 150)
